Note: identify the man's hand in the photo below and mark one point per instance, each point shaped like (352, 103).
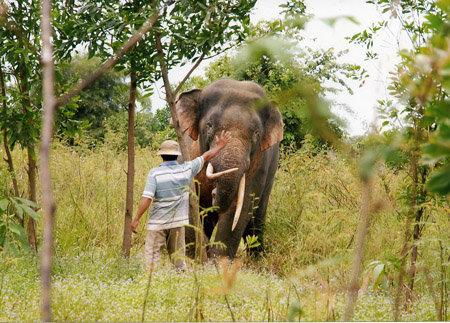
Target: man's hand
(223, 139)
(143, 206)
(134, 225)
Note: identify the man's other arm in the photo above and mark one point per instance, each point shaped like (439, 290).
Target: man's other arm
(144, 204)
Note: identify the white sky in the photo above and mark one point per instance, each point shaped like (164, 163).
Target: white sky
(359, 109)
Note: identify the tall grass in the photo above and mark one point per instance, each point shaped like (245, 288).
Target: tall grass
(315, 206)
(310, 231)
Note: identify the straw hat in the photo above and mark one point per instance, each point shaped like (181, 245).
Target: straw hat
(169, 147)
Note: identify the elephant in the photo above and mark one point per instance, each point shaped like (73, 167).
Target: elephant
(238, 181)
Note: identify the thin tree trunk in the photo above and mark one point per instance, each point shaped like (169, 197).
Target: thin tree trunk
(405, 249)
(363, 228)
(9, 159)
(414, 253)
(46, 136)
(10, 163)
(50, 105)
(31, 225)
(200, 251)
(130, 173)
(26, 106)
(416, 236)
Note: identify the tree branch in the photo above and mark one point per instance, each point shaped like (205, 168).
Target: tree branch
(193, 203)
(170, 97)
(137, 36)
(197, 63)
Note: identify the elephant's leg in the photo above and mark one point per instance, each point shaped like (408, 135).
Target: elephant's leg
(231, 239)
(256, 226)
(190, 236)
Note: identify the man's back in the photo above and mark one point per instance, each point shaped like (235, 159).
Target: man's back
(168, 187)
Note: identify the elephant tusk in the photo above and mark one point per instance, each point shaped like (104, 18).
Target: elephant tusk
(240, 201)
(211, 175)
(213, 196)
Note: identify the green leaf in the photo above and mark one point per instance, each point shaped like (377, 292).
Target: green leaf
(443, 5)
(4, 204)
(295, 311)
(18, 208)
(20, 234)
(30, 212)
(377, 272)
(440, 181)
(10, 246)
(2, 234)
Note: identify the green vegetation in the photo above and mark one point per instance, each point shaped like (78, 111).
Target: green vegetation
(97, 287)
(357, 229)
(311, 224)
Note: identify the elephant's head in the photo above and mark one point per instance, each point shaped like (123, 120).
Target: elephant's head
(256, 125)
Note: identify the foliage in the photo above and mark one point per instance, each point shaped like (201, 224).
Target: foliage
(187, 28)
(12, 234)
(433, 64)
(150, 130)
(97, 103)
(312, 217)
(20, 62)
(279, 77)
(274, 58)
(421, 82)
(417, 87)
(383, 273)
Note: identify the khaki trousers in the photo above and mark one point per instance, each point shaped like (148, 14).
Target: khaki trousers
(173, 239)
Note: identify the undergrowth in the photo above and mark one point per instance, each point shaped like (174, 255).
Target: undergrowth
(95, 287)
(309, 239)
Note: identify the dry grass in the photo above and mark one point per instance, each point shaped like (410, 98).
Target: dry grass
(311, 222)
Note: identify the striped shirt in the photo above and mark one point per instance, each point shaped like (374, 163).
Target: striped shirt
(168, 187)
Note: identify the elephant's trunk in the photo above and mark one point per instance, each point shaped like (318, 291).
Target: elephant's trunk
(230, 188)
(240, 196)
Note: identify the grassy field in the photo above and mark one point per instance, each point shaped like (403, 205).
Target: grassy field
(310, 235)
(97, 287)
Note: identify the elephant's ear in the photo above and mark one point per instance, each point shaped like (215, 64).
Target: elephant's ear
(187, 106)
(273, 129)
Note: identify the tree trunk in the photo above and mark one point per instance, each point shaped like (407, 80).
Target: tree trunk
(363, 228)
(417, 233)
(50, 105)
(200, 250)
(10, 163)
(413, 198)
(9, 159)
(26, 106)
(31, 225)
(130, 173)
(46, 137)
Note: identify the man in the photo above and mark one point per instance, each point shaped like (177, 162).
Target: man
(168, 187)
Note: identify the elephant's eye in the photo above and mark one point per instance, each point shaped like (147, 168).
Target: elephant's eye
(209, 125)
(256, 136)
